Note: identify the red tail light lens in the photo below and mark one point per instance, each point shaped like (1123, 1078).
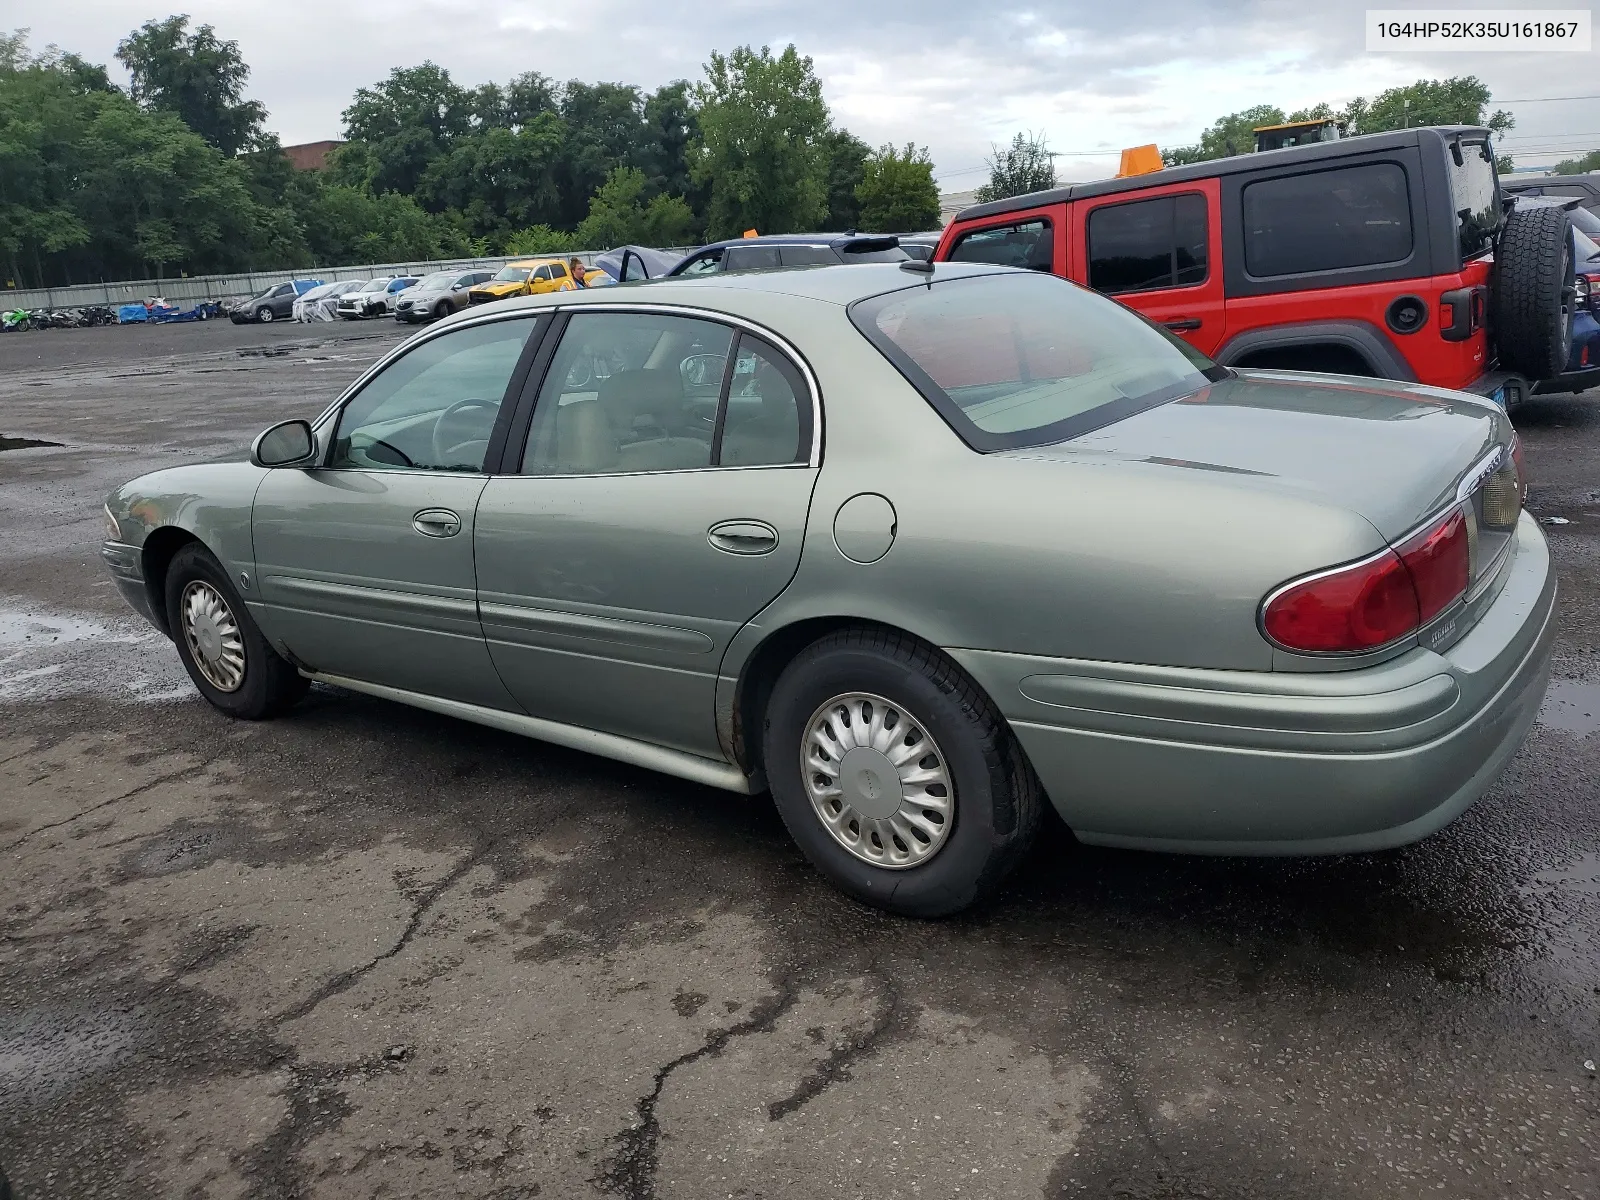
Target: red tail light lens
(1375, 602)
(1358, 608)
(1440, 562)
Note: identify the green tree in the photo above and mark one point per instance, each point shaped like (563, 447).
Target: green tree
(897, 191)
(351, 225)
(498, 178)
(1227, 136)
(847, 166)
(762, 151)
(1024, 166)
(540, 239)
(1461, 100)
(619, 215)
(197, 77)
(1577, 166)
(404, 123)
(669, 130)
(604, 130)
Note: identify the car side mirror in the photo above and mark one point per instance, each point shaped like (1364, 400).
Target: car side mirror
(287, 444)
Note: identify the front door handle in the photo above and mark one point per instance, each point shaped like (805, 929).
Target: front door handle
(436, 522)
(743, 537)
(1183, 324)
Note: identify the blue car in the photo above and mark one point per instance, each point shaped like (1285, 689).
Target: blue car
(1583, 366)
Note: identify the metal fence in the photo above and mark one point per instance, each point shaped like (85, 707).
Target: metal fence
(223, 287)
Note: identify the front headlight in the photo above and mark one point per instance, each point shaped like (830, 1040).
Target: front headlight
(113, 530)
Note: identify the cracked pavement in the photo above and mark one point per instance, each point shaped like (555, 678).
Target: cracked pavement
(366, 951)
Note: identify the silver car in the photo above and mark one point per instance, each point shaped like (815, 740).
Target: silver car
(916, 548)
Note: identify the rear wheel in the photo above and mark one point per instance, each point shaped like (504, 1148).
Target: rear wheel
(895, 774)
(1532, 301)
(227, 657)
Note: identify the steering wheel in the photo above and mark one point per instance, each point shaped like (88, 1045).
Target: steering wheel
(450, 449)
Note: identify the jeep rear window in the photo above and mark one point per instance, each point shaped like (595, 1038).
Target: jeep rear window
(1474, 197)
(1026, 244)
(1020, 359)
(1326, 220)
(1157, 243)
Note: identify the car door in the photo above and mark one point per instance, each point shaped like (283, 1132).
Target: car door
(1160, 255)
(364, 563)
(658, 504)
(282, 301)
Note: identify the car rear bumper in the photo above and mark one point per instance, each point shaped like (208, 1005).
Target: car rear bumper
(1237, 762)
(1572, 381)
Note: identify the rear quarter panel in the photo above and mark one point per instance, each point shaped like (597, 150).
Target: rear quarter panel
(1094, 558)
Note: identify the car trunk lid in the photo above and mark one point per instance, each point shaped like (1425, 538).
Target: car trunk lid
(1394, 453)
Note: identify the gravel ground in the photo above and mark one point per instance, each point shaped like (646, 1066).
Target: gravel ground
(364, 951)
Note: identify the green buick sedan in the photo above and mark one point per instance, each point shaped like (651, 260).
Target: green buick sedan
(916, 549)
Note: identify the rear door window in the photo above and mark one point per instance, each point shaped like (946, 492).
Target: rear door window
(750, 258)
(806, 256)
(1326, 220)
(1159, 243)
(1028, 244)
(1474, 196)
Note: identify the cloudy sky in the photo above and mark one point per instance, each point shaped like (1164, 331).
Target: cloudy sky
(1094, 75)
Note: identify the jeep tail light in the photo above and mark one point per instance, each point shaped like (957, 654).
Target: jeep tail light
(1377, 601)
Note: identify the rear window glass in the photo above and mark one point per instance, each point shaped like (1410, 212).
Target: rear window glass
(1017, 359)
(1325, 220)
(1158, 243)
(1026, 244)
(1474, 197)
(893, 254)
(750, 258)
(806, 256)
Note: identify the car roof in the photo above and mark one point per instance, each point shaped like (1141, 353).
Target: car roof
(788, 239)
(1313, 152)
(842, 284)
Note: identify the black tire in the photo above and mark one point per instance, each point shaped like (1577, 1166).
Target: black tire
(997, 798)
(270, 684)
(441, 310)
(1532, 303)
(264, 315)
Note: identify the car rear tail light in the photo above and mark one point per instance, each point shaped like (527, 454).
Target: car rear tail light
(1439, 560)
(1505, 491)
(1377, 601)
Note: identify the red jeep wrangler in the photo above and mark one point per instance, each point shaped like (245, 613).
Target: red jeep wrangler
(1386, 255)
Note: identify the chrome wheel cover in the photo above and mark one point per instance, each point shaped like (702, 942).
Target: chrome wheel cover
(212, 633)
(877, 781)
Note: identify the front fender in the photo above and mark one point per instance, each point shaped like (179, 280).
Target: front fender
(210, 502)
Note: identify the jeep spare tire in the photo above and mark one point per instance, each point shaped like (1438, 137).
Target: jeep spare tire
(1532, 293)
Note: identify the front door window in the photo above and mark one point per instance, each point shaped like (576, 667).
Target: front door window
(435, 408)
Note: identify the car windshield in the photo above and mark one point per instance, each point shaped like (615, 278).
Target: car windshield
(377, 285)
(1585, 221)
(513, 274)
(438, 281)
(1024, 359)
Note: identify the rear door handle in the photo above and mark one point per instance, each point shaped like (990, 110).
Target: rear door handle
(1183, 324)
(743, 537)
(436, 522)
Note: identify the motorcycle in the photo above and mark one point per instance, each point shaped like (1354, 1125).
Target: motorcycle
(18, 319)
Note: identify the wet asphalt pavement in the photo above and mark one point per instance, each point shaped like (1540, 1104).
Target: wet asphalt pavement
(365, 951)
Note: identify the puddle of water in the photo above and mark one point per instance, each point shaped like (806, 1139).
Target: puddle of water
(22, 443)
(45, 655)
(1582, 875)
(1572, 707)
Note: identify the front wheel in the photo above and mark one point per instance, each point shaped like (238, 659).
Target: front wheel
(264, 315)
(441, 310)
(895, 774)
(229, 660)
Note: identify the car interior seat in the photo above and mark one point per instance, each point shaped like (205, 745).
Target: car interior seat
(764, 428)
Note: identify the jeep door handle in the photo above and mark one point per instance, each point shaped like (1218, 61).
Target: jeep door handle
(1183, 324)
(436, 522)
(743, 537)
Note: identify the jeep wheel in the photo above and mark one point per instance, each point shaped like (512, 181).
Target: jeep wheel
(1532, 293)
